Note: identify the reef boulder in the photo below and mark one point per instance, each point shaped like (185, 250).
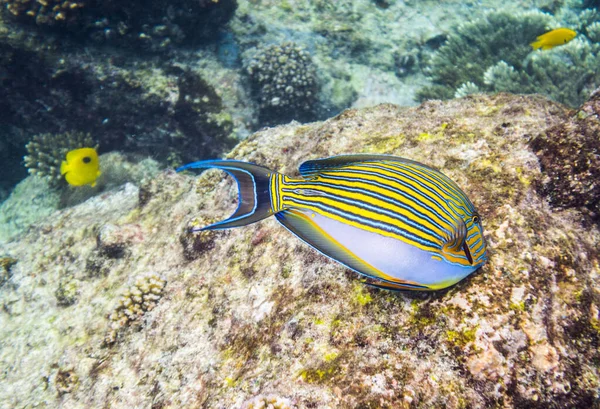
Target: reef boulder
(252, 316)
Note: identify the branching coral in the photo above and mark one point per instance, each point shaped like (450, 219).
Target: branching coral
(138, 299)
(493, 54)
(477, 45)
(284, 82)
(465, 89)
(47, 151)
(566, 75)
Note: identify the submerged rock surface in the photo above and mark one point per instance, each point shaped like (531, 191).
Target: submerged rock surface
(252, 314)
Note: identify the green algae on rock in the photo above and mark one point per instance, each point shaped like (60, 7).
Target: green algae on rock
(522, 332)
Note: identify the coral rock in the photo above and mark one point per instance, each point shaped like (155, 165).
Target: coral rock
(570, 157)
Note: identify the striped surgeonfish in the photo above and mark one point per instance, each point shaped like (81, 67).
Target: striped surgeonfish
(402, 224)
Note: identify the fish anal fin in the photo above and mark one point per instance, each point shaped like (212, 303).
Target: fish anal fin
(386, 285)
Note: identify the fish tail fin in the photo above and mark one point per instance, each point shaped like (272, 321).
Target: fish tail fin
(254, 191)
(537, 44)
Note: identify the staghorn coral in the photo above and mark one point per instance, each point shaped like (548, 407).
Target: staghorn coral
(268, 402)
(570, 157)
(465, 89)
(494, 55)
(567, 74)
(136, 300)
(284, 83)
(47, 151)
(475, 46)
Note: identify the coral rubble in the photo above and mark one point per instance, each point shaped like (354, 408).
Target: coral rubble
(252, 313)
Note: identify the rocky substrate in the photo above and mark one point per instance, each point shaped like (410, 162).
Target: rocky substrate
(113, 303)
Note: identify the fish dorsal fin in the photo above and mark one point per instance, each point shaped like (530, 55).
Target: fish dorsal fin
(312, 168)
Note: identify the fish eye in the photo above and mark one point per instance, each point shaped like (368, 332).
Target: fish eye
(87, 159)
(475, 219)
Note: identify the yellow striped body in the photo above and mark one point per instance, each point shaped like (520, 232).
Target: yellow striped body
(403, 201)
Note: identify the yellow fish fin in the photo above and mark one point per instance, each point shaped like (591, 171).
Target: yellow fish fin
(537, 44)
(64, 167)
(548, 47)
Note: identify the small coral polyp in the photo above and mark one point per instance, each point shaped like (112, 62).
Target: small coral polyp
(284, 82)
(137, 300)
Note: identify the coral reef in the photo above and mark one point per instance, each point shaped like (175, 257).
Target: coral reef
(151, 24)
(253, 311)
(474, 46)
(284, 82)
(551, 73)
(492, 55)
(46, 152)
(135, 301)
(33, 200)
(570, 157)
(141, 110)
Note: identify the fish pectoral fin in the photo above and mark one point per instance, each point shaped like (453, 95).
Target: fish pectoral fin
(302, 225)
(456, 244)
(64, 167)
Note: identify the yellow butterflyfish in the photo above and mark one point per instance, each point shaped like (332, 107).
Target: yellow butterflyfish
(553, 38)
(81, 167)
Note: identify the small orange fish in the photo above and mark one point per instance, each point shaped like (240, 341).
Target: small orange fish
(553, 38)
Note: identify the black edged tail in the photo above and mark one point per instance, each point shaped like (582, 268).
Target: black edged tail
(254, 196)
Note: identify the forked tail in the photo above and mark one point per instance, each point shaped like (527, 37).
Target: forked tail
(254, 196)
